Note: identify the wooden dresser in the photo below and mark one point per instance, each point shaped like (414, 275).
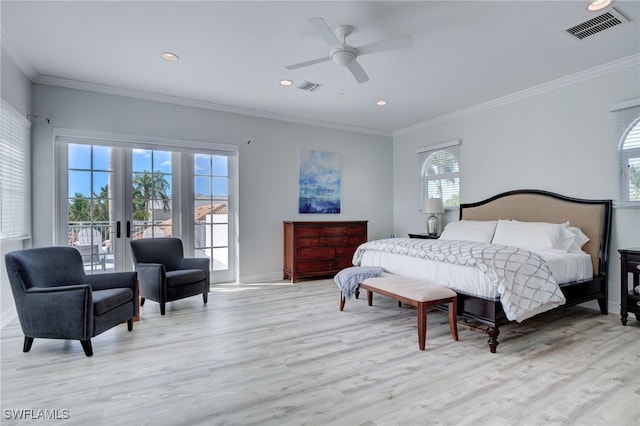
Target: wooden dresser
(317, 249)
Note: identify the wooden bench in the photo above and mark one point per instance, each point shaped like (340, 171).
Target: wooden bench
(419, 293)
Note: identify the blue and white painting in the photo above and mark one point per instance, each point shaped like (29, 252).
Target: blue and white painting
(319, 182)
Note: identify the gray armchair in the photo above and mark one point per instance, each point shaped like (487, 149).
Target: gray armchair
(165, 274)
(55, 299)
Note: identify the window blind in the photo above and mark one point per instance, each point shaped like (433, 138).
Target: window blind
(440, 173)
(627, 130)
(15, 176)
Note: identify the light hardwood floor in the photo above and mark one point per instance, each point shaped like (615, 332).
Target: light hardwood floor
(282, 354)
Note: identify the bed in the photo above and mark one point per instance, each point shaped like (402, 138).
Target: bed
(488, 298)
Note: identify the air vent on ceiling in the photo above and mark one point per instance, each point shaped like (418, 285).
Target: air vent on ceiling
(597, 24)
(308, 86)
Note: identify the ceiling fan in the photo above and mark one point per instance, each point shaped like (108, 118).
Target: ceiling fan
(345, 55)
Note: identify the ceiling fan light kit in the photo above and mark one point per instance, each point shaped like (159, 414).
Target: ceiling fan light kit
(345, 55)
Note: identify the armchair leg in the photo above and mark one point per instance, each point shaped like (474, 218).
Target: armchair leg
(142, 299)
(205, 296)
(130, 324)
(86, 346)
(28, 341)
(162, 308)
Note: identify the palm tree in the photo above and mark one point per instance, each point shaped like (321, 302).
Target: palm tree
(148, 186)
(101, 205)
(79, 208)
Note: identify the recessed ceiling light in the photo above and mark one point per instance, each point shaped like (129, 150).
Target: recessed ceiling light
(169, 56)
(286, 82)
(381, 102)
(597, 5)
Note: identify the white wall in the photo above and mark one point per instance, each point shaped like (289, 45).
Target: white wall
(560, 140)
(15, 89)
(268, 166)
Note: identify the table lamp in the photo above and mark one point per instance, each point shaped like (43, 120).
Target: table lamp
(432, 206)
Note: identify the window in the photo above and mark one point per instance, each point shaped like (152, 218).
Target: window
(440, 173)
(628, 126)
(15, 176)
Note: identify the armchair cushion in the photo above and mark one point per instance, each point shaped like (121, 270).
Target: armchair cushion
(184, 277)
(105, 300)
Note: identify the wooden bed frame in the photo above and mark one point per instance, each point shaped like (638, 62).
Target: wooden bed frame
(593, 217)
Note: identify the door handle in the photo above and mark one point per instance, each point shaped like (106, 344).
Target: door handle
(128, 229)
(118, 231)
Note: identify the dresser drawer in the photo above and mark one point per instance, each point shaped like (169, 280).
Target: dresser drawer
(308, 242)
(333, 241)
(316, 266)
(343, 263)
(330, 231)
(346, 251)
(316, 253)
(308, 231)
(633, 266)
(358, 230)
(356, 241)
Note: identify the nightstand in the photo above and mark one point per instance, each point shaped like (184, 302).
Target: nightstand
(629, 299)
(424, 236)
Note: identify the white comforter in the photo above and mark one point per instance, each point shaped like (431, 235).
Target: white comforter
(520, 278)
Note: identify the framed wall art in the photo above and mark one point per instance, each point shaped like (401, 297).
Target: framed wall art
(319, 182)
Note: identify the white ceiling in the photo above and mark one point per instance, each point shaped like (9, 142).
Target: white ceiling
(233, 53)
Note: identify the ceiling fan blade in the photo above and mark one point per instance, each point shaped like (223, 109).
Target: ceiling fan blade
(389, 44)
(325, 32)
(307, 63)
(358, 72)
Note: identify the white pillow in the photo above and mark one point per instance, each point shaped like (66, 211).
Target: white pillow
(534, 235)
(580, 239)
(470, 230)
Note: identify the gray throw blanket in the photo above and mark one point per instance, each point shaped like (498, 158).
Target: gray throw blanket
(349, 279)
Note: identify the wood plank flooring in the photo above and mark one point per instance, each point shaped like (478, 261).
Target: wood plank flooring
(283, 354)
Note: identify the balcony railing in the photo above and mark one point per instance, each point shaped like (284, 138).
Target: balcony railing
(94, 242)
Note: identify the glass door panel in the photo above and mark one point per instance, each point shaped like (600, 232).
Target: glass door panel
(90, 220)
(211, 207)
(152, 194)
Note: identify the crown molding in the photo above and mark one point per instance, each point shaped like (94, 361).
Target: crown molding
(195, 103)
(620, 64)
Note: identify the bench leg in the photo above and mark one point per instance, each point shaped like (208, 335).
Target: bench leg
(453, 316)
(342, 301)
(369, 297)
(422, 324)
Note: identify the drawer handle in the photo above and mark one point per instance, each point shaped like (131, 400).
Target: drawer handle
(637, 266)
(638, 303)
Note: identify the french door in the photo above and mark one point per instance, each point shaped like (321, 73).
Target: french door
(109, 195)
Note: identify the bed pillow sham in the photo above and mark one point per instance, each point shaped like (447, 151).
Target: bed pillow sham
(580, 239)
(534, 235)
(470, 230)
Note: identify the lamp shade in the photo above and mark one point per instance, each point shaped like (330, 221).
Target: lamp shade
(432, 205)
